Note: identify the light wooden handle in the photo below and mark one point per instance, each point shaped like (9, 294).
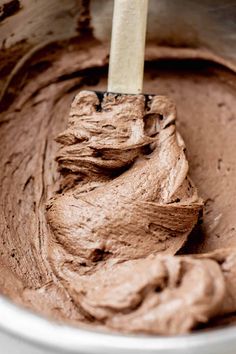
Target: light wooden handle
(127, 46)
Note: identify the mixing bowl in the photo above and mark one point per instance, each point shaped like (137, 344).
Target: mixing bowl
(28, 25)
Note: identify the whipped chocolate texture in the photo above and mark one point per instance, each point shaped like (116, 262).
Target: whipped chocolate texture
(133, 197)
(108, 219)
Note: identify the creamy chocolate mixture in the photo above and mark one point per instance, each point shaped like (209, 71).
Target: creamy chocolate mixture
(97, 196)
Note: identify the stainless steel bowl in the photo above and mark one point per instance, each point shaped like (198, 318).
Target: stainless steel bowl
(210, 24)
(23, 332)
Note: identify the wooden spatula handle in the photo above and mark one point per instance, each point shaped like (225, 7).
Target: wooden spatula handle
(127, 46)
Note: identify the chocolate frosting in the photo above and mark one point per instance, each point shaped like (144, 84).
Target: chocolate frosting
(158, 294)
(134, 197)
(122, 203)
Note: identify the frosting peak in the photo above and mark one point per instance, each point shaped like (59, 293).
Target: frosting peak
(129, 194)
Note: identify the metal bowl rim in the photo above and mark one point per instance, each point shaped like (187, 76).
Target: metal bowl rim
(35, 329)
